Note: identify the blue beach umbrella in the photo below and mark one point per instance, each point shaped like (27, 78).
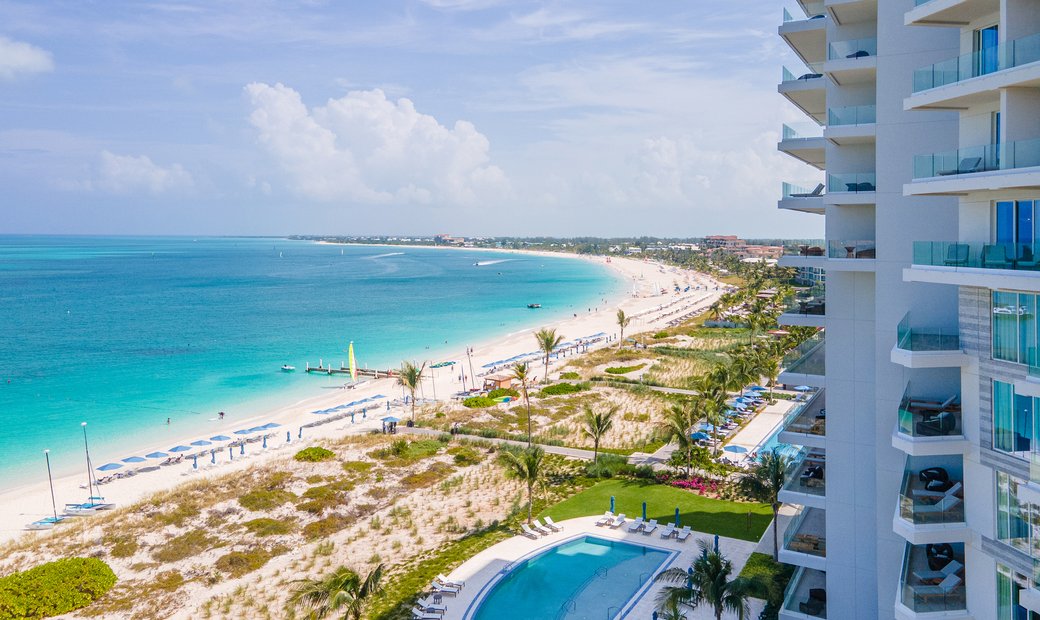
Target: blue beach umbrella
(699, 436)
(257, 429)
(157, 455)
(244, 431)
(352, 414)
(735, 449)
(195, 461)
(109, 466)
(689, 578)
(716, 543)
(202, 442)
(133, 459)
(179, 449)
(220, 438)
(231, 452)
(757, 388)
(270, 425)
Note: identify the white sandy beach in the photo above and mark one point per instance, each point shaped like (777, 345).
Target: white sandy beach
(652, 310)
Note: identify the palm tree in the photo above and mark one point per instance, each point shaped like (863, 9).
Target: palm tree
(765, 482)
(597, 424)
(526, 465)
(677, 426)
(520, 373)
(711, 400)
(411, 377)
(707, 582)
(547, 342)
(342, 589)
(771, 369)
(622, 322)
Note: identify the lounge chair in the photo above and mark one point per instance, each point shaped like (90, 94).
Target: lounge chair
(967, 165)
(635, 525)
(953, 489)
(952, 568)
(650, 527)
(451, 584)
(816, 604)
(683, 534)
(443, 588)
(668, 531)
(428, 606)
(552, 526)
(541, 529)
(956, 255)
(618, 521)
(949, 404)
(528, 532)
(419, 614)
(944, 505)
(937, 425)
(858, 54)
(995, 257)
(945, 588)
(606, 519)
(810, 76)
(818, 191)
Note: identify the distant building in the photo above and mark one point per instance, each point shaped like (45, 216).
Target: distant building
(731, 244)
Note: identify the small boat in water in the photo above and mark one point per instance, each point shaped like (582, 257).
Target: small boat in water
(288, 368)
(534, 306)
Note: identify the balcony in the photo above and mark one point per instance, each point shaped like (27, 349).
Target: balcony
(852, 62)
(807, 37)
(853, 250)
(853, 188)
(806, 479)
(797, 198)
(806, 364)
(851, 125)
(977, 168)
(806, 423)
(929, 425)
(806, 595)
(807, 91)
(931, 501)
(852, 11)
(805, 143)
(949, 13)
(805, 540)
(932, 580)
(989, 265)
(806, 307)
(927, 346)
(977, 77)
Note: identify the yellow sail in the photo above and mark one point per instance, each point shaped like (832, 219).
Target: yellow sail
(353, 363)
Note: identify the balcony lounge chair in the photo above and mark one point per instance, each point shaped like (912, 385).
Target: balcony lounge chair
(419, 614)
(528, 532)
(939, 555)
(552, 526)
(956, 255)
(858, 54)
(818, 191)
(458, 585)
(918, 406)
(683, 534)
(428, 606)
(945, 588)
(967, 165)
(810, 76)
(935, 478)
(938, 509)
(668, 531)
(618, 521)
(865, 186)
(650, 527)
(635, 525)
(816, 604)
(541, 529)
(606, 519)
(812, 476)
(937, 425)
(954, 488)
(995, 257)
(1026, 259)
(952, 568)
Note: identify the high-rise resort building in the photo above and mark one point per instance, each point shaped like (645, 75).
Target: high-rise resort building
(927, 128)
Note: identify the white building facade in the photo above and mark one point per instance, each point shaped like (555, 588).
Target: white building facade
(926, 119)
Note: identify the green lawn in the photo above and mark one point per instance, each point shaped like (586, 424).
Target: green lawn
(730, 519)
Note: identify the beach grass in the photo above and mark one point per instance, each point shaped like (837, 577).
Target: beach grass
(745, 521)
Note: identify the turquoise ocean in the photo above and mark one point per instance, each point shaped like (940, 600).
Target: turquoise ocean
(124, 333)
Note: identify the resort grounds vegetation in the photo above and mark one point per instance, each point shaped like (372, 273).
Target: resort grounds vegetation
(54, 588)
(770, 580)
(479, 402)
(314, 454)
(563, 388)
(623, 370)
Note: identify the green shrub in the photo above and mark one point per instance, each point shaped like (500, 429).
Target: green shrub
(268, 527)
(573, 376)
(323, 528)
(608, 466)
(123, 545)
(54, 588)
(769, 580)
(465, 455)
(660, 335)
(358, 467)
(500, 392)
(264, 499)
(564, 388)
(479, 402)
(238, 563)
(433, 475)
(314, 454)
(321, 498)
(192, 542)
(623, 370)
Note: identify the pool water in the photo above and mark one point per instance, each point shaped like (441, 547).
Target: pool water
(585, 578)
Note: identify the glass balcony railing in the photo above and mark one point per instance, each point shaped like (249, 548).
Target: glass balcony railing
(815, 248)
(810, 301)
(808, 358)
(933, 578)
(857, 182)
(790, 190)
(799, 131)
(1013, 256)
(923, 339)
(852, 249)
(852, 115)
(789, 76)
(807, 473)
(920, 2)
(807, 593)
(926, 500)
(807, 533)
(809, 417)
(983, 62)
(856, 48)
(1007, 156)
(930, 417)
(788, 17)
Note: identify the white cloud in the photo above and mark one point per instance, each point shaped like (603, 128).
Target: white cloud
(365, 148)
(125, 174)
(18, 58)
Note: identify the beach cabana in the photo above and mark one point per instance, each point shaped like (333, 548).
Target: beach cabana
(498, 380)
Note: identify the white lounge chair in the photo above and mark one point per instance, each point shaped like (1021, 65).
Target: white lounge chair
(430, 607)
(551, 525)
(606, 519)
(618, 521)
(440, 588)
(528, 532)
(541, 529)
(451, 584)
(650, 527)
(668, 531)
(635, 525)
(419, 614)
(930, 575)
(683, 534)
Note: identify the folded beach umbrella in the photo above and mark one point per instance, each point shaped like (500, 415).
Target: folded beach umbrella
(220, 438)
(109, 467)
(157, 455)
(133, 459)
(202, 442)
(195, 461)
(180, 449)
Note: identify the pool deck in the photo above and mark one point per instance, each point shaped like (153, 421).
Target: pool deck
(479, 571)
(760, 428)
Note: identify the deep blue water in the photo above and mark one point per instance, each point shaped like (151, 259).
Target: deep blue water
(126, 332)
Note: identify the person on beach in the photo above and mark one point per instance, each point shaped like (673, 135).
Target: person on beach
(167, 421)
(221, 415)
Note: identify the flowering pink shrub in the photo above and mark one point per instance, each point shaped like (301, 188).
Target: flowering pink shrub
(697, 484)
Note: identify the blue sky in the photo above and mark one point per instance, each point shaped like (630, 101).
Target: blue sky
(459, 116)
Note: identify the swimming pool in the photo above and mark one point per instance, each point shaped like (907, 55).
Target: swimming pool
(584, 578)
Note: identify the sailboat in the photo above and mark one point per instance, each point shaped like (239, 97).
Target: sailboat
(47, 523)
(94, 502)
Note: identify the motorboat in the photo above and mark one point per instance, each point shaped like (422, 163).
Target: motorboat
(288, 368)
(534, 306)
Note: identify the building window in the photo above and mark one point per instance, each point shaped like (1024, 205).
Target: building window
(1016, 421)
(1014, 328)
(1009, 584)
(984, 48)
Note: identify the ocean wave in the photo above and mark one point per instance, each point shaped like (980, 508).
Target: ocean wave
(385, 255)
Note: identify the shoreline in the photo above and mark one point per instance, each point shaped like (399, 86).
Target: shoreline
(22, 504)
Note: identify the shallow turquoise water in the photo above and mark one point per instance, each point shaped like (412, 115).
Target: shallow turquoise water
(126, 332)
(585, 578)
